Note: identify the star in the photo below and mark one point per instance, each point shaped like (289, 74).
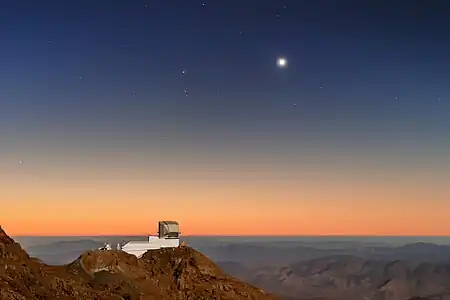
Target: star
(282, 62)
(183, 72)
(21, 162)
(295, 105)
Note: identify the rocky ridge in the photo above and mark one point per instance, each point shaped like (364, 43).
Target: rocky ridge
(174, 273)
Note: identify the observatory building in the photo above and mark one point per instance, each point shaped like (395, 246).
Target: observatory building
(168, 237)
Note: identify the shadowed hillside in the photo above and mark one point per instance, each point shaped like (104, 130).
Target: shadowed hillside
(347, 277)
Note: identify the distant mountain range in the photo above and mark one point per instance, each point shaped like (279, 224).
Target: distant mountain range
(415, 271)
(347, 277)
(326, 271)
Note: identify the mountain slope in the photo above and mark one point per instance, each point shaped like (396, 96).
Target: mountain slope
(347, 277)
(175, 273)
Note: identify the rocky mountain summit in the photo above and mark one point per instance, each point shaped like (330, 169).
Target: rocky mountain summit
(171, 273)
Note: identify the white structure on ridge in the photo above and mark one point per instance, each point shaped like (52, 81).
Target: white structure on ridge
(168, 237)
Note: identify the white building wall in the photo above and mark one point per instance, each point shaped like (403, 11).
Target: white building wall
(139, 248)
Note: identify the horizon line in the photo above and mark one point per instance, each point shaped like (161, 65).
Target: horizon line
(244, 235)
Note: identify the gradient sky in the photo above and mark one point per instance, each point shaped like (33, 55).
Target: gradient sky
(92, 101)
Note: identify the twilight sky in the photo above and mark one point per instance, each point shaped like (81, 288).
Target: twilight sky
(117, 114)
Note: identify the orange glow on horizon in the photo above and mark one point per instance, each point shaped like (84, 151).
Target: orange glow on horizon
(251, 204)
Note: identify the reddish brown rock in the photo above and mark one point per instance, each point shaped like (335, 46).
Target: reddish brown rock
(174, 273)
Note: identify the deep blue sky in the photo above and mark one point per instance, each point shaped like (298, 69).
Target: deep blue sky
(83, 82)
(364, 55)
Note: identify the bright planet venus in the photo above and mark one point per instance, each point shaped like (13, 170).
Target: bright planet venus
(281, 62)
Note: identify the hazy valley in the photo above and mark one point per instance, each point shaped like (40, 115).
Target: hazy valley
(304, 268)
